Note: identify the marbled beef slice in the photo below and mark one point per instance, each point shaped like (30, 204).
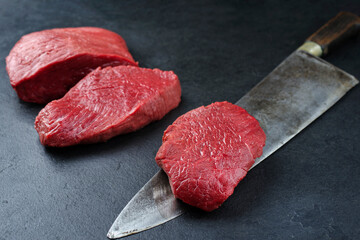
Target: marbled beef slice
(106, 103)
(207, 151)
(44, 65)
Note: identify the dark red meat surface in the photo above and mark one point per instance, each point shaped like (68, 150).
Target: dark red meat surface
(44, 65)
(207, 151)
(108, 102)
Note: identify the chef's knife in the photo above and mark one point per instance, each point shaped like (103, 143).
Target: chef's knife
(293, 95)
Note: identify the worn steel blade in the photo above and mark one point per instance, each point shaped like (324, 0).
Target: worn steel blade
(293, 95)
(153, 205)
(298, 91)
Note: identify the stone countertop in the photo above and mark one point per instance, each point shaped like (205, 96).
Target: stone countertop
(309, 189)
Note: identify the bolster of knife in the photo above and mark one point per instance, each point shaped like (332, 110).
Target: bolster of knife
(341, 27)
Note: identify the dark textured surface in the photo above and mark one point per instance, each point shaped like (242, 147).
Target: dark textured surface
(309, 189)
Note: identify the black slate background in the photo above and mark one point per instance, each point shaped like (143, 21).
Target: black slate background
(309, 189)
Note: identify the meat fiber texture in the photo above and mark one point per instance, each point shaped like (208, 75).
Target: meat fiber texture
(44, 65)
(106, 103)
(207, 151)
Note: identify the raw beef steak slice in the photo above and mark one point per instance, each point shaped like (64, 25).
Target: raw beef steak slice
(207, 151)
(44, 65)
(106, 103)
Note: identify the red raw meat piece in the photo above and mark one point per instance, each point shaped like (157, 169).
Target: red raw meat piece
(106, 103)
(44, 65)
(207, 151)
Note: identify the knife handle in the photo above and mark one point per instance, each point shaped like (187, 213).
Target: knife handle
(339, 28)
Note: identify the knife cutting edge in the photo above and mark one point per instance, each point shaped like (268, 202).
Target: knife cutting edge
(286, 101)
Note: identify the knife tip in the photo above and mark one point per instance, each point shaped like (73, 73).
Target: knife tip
(110, 235)
(114, 234)
(117, 234)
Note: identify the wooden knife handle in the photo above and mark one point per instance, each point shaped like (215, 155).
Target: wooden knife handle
(342, 26)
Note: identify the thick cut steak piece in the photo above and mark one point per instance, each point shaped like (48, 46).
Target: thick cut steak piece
(44, 65)
(207, 151)
(108, 102)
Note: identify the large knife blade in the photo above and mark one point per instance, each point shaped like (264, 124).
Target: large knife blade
(293, 95)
